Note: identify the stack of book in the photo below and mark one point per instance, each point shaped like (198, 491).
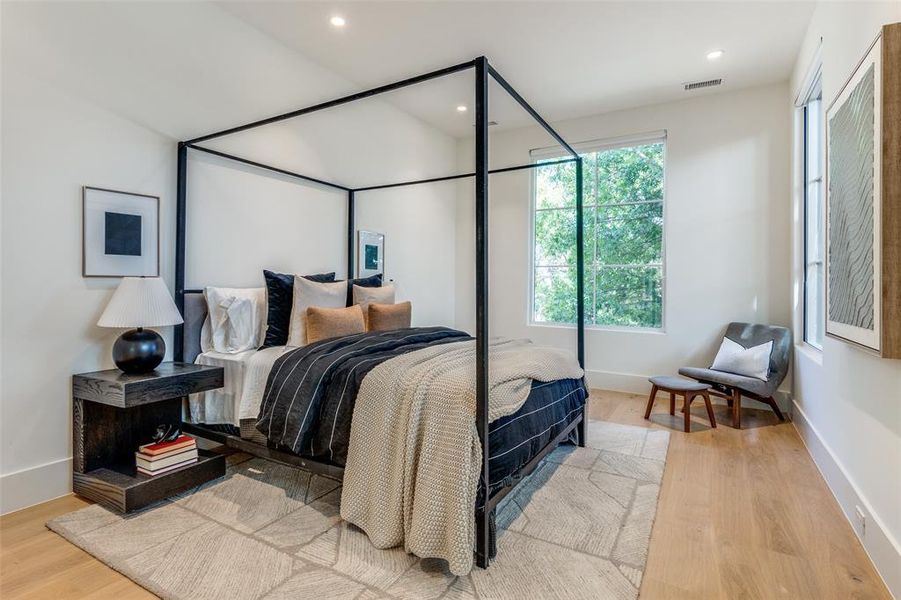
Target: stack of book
(162, 457)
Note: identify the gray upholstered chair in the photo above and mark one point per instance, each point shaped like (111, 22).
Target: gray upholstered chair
(732, 386)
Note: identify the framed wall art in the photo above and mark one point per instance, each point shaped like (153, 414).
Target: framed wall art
(120, 234)
(370, 253)
(863, 202)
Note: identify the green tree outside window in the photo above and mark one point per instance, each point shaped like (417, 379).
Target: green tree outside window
(623, 218)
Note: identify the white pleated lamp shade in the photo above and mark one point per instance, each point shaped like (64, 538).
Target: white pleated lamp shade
(141, 302)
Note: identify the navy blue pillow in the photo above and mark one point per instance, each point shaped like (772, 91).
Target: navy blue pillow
(371, 281)
(280, 300)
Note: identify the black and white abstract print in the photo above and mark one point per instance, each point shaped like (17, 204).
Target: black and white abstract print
(122, 234)
(851, 205)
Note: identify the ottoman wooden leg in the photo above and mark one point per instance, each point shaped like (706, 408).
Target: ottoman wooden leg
(709, 409)
(647, 412)
(672, 403)
(687, 410)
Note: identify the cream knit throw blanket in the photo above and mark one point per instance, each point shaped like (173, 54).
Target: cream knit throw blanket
(414, 460)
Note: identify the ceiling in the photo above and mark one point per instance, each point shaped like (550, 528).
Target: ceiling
(568, 59)
(188, 68)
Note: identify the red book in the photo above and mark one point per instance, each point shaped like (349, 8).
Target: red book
(182, 441)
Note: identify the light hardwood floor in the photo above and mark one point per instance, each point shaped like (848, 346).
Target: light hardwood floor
(742, 514)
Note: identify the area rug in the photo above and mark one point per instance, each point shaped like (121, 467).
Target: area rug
(579, 527)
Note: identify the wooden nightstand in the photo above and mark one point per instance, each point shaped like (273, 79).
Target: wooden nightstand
(113, 413)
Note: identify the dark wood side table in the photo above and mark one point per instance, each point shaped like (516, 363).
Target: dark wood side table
(114, 413)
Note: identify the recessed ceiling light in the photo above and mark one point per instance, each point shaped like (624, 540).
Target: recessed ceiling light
(461, 108)
(337, 21)
(714, 54)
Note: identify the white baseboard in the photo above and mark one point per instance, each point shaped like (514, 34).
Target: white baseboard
(618, 382)
(638, 384)
(34, 485)
(883, 550)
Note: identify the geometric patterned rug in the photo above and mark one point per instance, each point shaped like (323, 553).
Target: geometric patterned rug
(578, 528)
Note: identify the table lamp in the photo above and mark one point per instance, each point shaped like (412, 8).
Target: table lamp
(137, 303)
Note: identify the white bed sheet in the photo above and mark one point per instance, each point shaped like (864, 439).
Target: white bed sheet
(242, 393)
(256, 373)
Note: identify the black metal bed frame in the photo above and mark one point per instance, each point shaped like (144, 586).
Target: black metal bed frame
(484, 515)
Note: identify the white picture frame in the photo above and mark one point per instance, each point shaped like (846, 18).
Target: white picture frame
(840, 282)
(370, 253)
(120, 233)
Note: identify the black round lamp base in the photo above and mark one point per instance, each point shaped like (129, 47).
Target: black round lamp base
(139, 351)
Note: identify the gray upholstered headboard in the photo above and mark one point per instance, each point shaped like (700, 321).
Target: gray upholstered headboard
(195, 313)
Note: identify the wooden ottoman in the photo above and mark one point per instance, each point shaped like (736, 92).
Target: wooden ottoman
(687, 388)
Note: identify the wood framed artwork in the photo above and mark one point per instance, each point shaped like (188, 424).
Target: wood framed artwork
(863, 202)
(120, 234)
(370, 253)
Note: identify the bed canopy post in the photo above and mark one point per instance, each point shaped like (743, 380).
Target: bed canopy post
(181, 196)
(481, 197)
(580, 293)
(580, 267)
(350, 234)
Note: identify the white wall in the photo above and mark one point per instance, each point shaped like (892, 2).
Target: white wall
(726, 226)
(53, 143)
(232, 207)
(242, 219)
(98, 94)
(419, 224)
(847, 402)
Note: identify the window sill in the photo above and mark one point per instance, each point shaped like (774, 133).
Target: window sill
(812, 353)
(602, 328)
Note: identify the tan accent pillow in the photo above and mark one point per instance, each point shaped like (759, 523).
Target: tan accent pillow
(384, 317)
(324, 323)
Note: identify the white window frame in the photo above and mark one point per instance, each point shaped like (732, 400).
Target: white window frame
(652, 137)
(811, 89)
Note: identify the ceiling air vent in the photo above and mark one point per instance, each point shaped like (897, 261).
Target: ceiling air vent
(697, 85)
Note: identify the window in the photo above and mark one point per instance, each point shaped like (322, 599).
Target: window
(814, 217)
(623, 220)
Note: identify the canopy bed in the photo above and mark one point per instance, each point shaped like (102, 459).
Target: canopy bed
(286, 439)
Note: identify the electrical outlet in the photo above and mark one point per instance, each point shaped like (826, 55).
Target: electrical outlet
(861, 521)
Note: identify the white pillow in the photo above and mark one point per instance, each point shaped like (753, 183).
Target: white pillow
(750, 362)
(311, 293)
(237, 318)
(243, 328)
(364, 296)
(206, 334)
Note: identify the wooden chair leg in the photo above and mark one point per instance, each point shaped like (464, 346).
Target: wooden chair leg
(775, 407)
(672, 403)
(687, 410)
(709, 409)
(736, 408)
(647, 412)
